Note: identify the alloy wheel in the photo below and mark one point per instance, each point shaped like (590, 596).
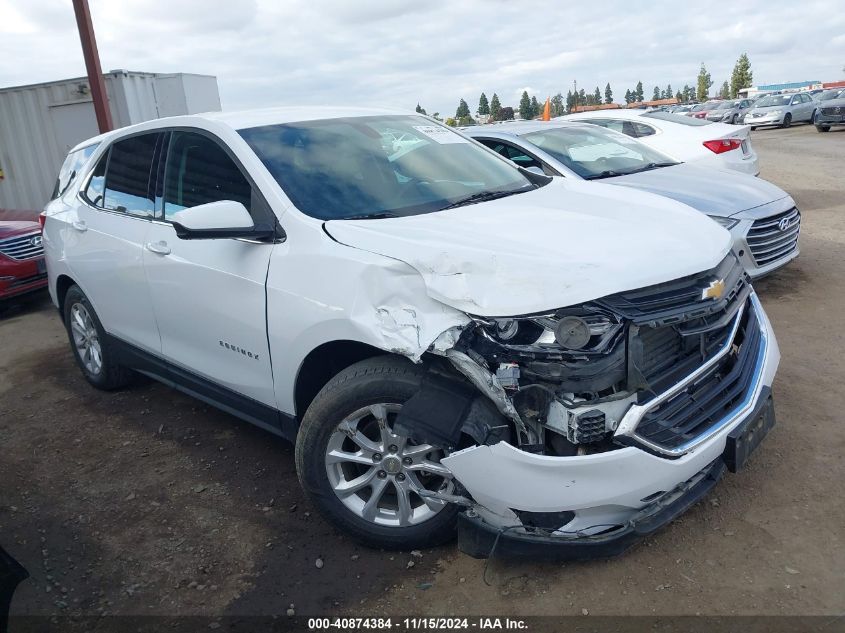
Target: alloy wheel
(86, 339)
(379, 475)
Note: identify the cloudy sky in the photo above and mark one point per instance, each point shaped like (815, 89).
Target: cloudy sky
(398, 53)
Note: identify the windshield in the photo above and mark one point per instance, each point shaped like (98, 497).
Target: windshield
(595, 152)
(726, 105)
(368, 167)
(830, 94)
(773, 100)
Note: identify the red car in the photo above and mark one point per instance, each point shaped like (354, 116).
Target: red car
(22, 267)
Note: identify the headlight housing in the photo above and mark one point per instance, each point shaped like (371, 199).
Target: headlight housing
(579, 329)
(727, 223)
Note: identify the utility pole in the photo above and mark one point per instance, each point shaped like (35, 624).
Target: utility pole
(92, 65)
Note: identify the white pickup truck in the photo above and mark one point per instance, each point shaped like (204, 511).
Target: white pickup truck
(554, 367)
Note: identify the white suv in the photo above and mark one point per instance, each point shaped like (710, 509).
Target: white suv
(446, 337)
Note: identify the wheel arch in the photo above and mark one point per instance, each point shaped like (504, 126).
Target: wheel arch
(63, 284)
(323, 363)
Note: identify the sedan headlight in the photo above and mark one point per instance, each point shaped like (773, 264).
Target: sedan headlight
(727, 223)
(775, 112)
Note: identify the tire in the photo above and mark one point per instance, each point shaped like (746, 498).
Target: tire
(356, 398)
(812, 120)
(787, 120)
(822, 128)
(753, 128)
(733, 120)
(89, 343)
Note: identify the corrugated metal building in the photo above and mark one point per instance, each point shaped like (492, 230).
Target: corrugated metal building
(40, 123)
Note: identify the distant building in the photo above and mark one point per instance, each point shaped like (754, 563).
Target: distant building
(793, 86)
(39, 123)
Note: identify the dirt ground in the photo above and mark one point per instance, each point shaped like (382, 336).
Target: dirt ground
(148, 502)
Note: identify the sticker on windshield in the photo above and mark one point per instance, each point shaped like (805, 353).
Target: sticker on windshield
(440, 134)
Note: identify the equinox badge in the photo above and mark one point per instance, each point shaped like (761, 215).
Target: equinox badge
(715, 290)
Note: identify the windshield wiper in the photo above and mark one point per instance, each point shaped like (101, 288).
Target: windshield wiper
(651, 166)
(608, 173)
(371, 216)
(483, 196)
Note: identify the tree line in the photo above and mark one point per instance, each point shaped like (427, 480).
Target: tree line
(530, 107)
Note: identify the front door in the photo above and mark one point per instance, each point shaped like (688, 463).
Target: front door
(209, 294)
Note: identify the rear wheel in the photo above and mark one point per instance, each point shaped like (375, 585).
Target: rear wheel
(91, 349)
(787, 120)
(822, 128)
(365, 477)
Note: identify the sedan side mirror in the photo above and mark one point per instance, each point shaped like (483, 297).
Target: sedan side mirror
(217, 220)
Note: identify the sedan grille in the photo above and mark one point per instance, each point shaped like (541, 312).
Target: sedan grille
(716, 395)
(22, 247)
(775, 237)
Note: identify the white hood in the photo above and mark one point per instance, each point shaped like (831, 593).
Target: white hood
(560, 245)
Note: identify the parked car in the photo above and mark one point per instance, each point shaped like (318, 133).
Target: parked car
(445, 337)
(782, 110)
(688, 140)
(680, 109)
(729, 111)
(699, 111)
(22, 268)
(831, 111)
(827, 95)
(762, 218)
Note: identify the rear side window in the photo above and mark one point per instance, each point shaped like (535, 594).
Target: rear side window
(128, 177)
(97, 184)
(510, 152)
(73, 164)
(199, 171)
(641, 130)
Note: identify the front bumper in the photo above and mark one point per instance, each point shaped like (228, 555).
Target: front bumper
(21, 277)
(615, 497)
(745, 249)
(822, 120)
(766, 119)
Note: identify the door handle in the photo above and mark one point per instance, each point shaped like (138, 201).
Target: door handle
(160, 248)
(80, 225)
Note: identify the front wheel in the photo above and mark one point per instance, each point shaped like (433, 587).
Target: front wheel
(89, 343)
(822, 128)
(812, 118)
(787, 120)
(363, 476)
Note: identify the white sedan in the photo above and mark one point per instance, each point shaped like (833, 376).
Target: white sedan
(683, 138)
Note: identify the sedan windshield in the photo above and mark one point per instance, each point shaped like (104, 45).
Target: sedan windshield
(595, 152)
(773, 100)
(380, 166)
(726, 105)
(831, 94)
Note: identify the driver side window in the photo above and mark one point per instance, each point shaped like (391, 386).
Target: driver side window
(199, 171)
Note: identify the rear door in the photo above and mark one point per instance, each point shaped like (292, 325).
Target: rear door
(107, 226)
(209, 294)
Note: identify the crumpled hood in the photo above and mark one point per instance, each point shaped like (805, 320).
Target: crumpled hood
(560, 245)
(711, 191)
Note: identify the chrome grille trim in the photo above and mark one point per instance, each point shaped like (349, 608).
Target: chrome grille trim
(769, 242)
(20, 247)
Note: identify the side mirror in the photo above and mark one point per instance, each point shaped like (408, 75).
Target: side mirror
(217, 220)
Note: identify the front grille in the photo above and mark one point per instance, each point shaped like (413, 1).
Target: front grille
(775, 237)
(663, 356)
(831, 111)
(22, 247)
(680, 300)
(712, 397)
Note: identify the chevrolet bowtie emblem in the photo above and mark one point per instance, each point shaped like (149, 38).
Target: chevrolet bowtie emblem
(715, 290)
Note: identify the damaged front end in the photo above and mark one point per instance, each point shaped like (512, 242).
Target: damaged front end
(581, 429)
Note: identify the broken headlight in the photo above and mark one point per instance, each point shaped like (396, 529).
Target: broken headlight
(585, 328)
